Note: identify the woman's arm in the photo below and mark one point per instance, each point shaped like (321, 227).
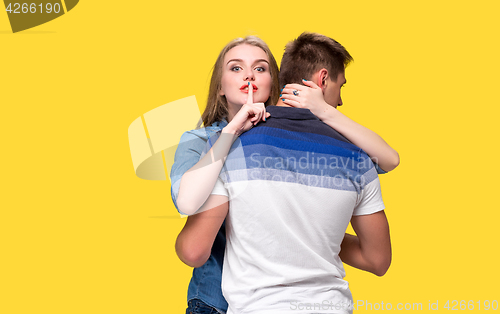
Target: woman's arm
(312, 98)
(197, 183)
(380, 152)
(194, 242)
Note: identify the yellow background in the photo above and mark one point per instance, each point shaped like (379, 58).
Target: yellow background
(80, 233)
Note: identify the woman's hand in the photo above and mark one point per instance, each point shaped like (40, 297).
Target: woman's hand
(249, 115)
(308, 97)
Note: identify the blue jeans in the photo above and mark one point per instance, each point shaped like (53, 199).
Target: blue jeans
(196, 306)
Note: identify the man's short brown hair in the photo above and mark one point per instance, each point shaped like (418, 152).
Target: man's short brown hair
(309, 53)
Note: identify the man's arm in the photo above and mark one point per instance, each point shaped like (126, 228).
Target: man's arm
(194, 242)
(370, 250)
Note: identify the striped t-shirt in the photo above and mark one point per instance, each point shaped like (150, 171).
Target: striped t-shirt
(293, 184)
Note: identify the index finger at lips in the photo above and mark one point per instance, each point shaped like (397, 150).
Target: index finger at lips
(250, 94)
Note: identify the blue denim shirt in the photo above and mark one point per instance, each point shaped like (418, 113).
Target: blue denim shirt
(206, 281)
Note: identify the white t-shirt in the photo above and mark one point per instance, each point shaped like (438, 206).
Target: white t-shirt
(293, 185)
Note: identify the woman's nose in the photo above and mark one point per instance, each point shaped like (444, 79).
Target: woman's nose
(249, 76)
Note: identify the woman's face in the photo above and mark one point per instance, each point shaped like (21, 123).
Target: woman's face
(243, 64)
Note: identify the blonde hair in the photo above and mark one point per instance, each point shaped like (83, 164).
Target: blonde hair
(216, 108)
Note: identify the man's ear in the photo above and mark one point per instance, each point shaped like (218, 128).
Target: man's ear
(322, 76)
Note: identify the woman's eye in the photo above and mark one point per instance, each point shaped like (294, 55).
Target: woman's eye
(235, 68)
(260, 69)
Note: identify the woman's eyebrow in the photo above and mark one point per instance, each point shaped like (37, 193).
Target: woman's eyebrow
(261, 60)
(240, 60)
(234, 60)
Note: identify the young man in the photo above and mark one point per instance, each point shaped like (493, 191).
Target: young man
(293, 184)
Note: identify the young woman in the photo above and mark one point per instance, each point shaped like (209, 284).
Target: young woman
(243, 79)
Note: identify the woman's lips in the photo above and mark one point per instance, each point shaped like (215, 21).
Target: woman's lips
(244, 88)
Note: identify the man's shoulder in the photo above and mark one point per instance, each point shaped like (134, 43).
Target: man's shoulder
(318, 149)
(289, 120)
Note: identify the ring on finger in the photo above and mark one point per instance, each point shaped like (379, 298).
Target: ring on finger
(296, 92)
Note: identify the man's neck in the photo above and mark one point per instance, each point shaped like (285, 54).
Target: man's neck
(280, 103)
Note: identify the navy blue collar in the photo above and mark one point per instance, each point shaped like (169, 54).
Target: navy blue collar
(292, 113)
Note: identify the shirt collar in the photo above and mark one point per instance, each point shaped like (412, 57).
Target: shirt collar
(292, 113)
(219, 124)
